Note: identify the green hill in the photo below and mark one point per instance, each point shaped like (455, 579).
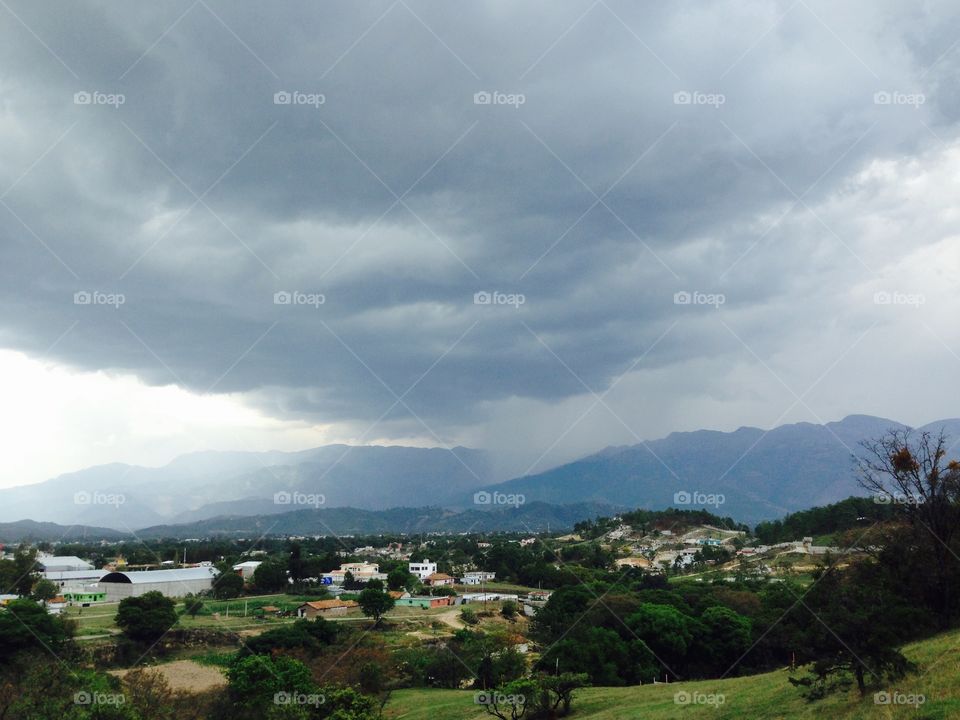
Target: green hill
(757, 697)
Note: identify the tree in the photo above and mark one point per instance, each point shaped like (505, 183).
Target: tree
(375, 603)
(146, 618)
(270, 576)
(398, 578)
(44, 590)
(22, 574)
(666, 631)
(26, 625)
(911, 473)
(227, 585)
(255, 682)
(303, 635)
(509, 610)
(725, 638)
(192, 606)
(295, 564)
(860, 623)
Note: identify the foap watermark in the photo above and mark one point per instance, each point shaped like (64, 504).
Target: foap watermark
(493, 697)
(495, 97)
(895, 697)
(495, 297)
(296, 97)
(295, 297)
(96, 497)
(498, 498)
(896, 498)
(896, 97)
(299, 698)
(298, 498)
(95, 297)
(696, 97)
(698, 498)
(686, 697)
(114, 100)
(886, 297)
(685, 297)
(98, 698)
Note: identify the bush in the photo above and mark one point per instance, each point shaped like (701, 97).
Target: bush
(146, 618)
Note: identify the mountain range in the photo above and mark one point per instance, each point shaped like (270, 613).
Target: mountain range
(749, 474)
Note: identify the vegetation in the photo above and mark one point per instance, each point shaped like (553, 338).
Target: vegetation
(146, 618)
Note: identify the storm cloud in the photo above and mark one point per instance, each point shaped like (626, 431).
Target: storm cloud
(466, 222)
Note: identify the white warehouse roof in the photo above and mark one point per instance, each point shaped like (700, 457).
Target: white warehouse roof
(63, 562)
(159, 576)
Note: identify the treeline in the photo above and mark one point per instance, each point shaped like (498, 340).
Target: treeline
(845, 515)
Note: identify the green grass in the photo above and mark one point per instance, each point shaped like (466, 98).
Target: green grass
(759, 696)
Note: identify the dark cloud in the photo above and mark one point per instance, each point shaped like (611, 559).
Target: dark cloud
(398, 198)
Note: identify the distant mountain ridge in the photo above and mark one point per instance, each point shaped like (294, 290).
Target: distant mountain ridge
(761, 474)
(206, 484)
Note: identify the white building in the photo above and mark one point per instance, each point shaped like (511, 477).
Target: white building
(61, 563)
(247, 569)
(477, 577)
(172, 583)
(423, 569)
(73, 579)
(361, 572)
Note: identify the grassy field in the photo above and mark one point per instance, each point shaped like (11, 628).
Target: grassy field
(760, 696)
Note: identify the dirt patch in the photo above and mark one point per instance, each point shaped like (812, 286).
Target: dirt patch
(186, 675)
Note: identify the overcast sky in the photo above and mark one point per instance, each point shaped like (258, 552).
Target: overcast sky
(540, 228)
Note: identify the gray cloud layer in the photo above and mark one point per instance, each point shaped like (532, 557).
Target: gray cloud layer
(399, 197)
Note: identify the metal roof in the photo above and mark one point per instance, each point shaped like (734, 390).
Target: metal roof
(74, 574)
(64, 561)
(160, 576)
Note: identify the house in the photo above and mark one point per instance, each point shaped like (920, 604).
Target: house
(398, 594)
(527, 541)
(439, 579)
(484, 545)
(539, 595)
(423, 569)
(477, 577)
(324, 608)
(487, 597)
(85, 597)
(424, 601)
(56, 604)
(710, 542)
(361, 572)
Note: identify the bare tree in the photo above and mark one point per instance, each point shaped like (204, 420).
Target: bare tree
(912, 473)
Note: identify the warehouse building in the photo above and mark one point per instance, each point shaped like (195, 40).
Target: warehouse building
(172, 583)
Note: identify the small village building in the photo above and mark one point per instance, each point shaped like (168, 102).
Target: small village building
(424, 601)
(324, 608)
(477, 577)
(422, 569)
(361, 572)
(439, 580)
(85, 597)
(247, 569)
